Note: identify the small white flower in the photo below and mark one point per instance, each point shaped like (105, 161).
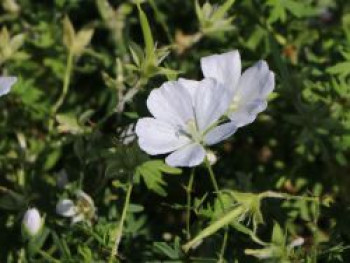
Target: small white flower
(248, 91)
(6, 84)
(32, 222)
(82, 209)
(186, 117)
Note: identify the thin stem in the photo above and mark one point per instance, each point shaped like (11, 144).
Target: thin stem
(214, 182)
(48, 256)
(315, 233)
(119, 232)
(216, 187)
(66, 82)
(189, 202)
(223, 247)
(128, 96)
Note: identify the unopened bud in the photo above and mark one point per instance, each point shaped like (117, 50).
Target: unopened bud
(32, 222)
(212, 158)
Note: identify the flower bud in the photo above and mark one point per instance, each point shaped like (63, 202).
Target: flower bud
(212, 158)
(32, 222)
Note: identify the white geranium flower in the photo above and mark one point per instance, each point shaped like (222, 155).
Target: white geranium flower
(185, 119)
(82, 209)
(6, 84)
(248, 91)
(32, 222)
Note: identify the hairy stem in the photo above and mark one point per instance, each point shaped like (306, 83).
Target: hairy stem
(119, 231)
(128, 96)
(189, 203)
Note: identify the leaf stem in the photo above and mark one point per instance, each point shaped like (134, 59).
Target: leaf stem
(119, 232)
(189, 202)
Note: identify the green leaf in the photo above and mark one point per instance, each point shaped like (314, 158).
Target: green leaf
(68, 33)
(342, 68)
(222, 10)
(278, 237)
(215, 226)
(151, 173)
(167, 250)
(68, 123)
(82, 39)
(147, 34)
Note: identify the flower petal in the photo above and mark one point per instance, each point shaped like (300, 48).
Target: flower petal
(78, 218)
(257, 82)
(66, 208)
(247, 113)
(188, 156)
(171, 103)
(158, 137)
(190, 86)
(220, 133)
(211, 102)
(225, 68)
(6, 84)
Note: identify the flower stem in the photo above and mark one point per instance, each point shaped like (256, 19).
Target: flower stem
(189, 201)
(65, 87)
(119, 231)
(315, 233)
(217, 190)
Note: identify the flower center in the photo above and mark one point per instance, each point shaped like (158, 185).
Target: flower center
(234, 104)
(190, 131)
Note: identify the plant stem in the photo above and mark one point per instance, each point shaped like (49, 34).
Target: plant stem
(223, 246)
(119, 232)
(189, 202)
(217, 190)
(128, 96)
(48, 256)
(65, 87)
(315, 233)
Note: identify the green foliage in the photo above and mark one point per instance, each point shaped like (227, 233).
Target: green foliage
(85, 69)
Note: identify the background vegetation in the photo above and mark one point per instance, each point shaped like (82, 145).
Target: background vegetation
(85, 69)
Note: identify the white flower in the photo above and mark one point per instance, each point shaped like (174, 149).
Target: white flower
(186, 114)
(82, 209)
(248, 91)
(32, 222)
(6, 84)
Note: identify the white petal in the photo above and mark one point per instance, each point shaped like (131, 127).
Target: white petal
(171, 103)
(190, 86)
(211, 102)
(247, 113)
(225, 68)
(257, 82)
(78, 218)
(66, 208)
(158, 137)
(6, 84)
(220, 133)
(188, 156)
